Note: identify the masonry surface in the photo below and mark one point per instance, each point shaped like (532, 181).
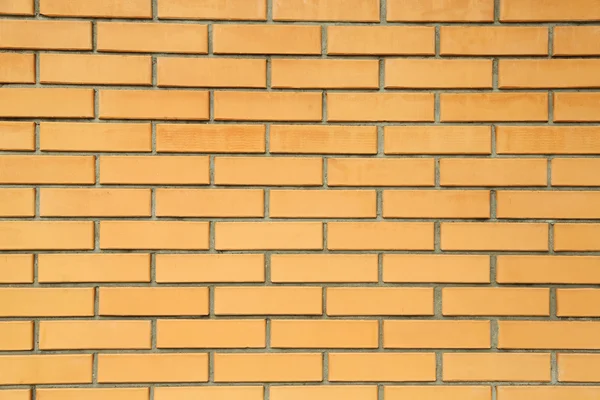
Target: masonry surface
(292, 199)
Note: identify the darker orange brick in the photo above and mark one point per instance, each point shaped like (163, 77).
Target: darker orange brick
(549, 10)
(42, 102)
(268, 106)
(548, 73)
(322, 139)
(573, 107)
(326, 10)
(381, 40)
(213, 9)
(200, 138)
(445, 10)
(437, 139)
(324, 73)
(17, 68)
(548, 140)
(480, 107)
(431, 73)
(266, 39)
(378, 107)
(493, 41)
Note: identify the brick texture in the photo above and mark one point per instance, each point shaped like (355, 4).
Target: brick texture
(299, 199)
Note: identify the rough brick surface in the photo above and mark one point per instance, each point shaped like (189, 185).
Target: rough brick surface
(299, 199)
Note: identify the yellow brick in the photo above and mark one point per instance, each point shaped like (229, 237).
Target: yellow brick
(178, 268)
(105, 334)
(209, 203)
(231, 333)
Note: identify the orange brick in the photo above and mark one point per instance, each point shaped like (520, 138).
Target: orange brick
(47, 35)
(326, 10)
(17, 68)
(95, 202)
(16, 335)
(296, 367)
(105, 334)
(209, 392)
(46, 235)
(149, 301)
(576, 106)
(380, 172)
(379, 301)
(549, 10)
(180, 367)
(436, 204)
(209, 203)
(152, 170)
(172, 235)
(323, 392)
(380, 236)
(93, 394)
(381, 40)
(578, 303)
(213, 9)
(269, 236)
(324, 268)
(437, 140)
(575, 172)
(576, 40)
(268, 106)
(380, 107)
(324, 73)
(47, 170)
(548, 205)
(335, 334)
(266, 39)
(494, 236)
(546, 392)
(42, 103)
(210, 268)
(92, 137)
(578, 368)
(153, 104)
(481, 107)
(547, 73)
(323, 139)
(426, 334)
(431, 73)
(446, 10)
(496, 301)
(103, 9)
(493, 172)
(230, 333)
(518, 367)
(420, 268)
(184, 138)
(152, 37)
(268, 171)
(46, 369)
(548, 269)
(18, 394)
(322, 204)
(114, 267)
(577, 237)
(46, 302)
(437, 392)
(17, 136)
(548, 335)
(493, 41)
(95, 69)
(16, 268)
(17, 202)
(212, 72)
(548, 140)
(282, 300)
(16, 7)
(378, 367)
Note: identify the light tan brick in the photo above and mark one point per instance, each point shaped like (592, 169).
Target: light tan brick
(379, 301)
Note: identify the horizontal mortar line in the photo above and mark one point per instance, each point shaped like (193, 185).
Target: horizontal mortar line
(316, 251)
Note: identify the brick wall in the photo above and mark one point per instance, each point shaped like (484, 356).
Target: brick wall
(292, 199)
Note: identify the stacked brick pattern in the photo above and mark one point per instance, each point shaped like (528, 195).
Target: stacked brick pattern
(292, 199)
